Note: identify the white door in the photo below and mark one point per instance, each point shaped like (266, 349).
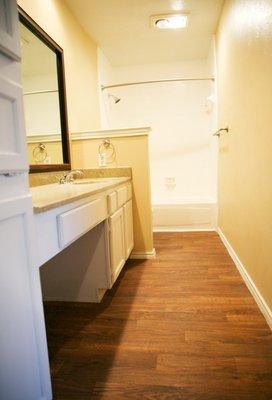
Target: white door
(21, 328)
(12, 142)
(9, 35)
(128, 220)
(13, 154)
(117, 243)
(24, 367)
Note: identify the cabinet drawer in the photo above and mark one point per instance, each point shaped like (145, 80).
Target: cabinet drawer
(74, 223)
(121, 196)
(112, 202)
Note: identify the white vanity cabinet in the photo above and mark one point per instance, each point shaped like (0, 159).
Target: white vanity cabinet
(121, 229)
(121, 238)
(117, 243)
(84, 244)
(128, 223)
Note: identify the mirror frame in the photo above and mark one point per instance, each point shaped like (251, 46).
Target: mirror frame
(26, 20)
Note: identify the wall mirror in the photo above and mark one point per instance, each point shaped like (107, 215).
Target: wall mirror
(44, 99)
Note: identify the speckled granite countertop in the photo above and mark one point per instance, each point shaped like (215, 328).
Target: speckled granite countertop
(46, 178)
(54, 195)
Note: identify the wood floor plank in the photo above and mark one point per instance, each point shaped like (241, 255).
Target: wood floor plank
(182, 326)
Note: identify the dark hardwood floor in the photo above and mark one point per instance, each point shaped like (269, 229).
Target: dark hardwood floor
(180, 327)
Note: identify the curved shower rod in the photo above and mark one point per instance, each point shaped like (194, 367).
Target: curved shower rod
(103, 87)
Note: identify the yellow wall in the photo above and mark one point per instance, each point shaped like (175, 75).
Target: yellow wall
(80, 58)
(133, 152)
(244, 57)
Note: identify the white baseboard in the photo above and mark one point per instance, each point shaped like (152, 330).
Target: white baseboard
(145, 255)
(178, 229)
(263, 306)
(184, 217)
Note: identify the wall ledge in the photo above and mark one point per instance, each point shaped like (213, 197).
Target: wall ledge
(263, 306)
(105, 133)
(44, 138)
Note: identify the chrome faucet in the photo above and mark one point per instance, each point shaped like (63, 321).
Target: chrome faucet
(68, 177)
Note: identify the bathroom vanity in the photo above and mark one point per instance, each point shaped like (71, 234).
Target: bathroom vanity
(84, 234)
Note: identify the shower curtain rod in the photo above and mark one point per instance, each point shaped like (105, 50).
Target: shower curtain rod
(103, 87)
(40, 91)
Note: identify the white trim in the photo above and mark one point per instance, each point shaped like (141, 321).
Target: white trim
(143, 255)
(180, 229)
(263, 306)
(124, 132)
(52, 137)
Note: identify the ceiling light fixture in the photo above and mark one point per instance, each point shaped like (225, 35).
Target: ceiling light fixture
(170, 21)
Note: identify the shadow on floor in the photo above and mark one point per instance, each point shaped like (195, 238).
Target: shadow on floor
(83, 338)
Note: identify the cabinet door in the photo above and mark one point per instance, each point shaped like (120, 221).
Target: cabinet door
(23, 373)
(128, 220)
(13, 136)
(13, 153)
(117, 243)
(9, 35)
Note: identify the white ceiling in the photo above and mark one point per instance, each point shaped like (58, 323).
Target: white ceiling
(122, 29)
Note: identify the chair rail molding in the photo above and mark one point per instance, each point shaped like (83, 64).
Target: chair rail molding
(43, 138)
(105, 133)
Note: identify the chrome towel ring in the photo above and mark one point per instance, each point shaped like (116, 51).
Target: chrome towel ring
(39, 153)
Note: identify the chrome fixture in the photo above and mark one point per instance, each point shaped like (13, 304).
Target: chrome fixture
(103, 87)
(219, 132)
(68, 177)
(40, 92)
(116, 99)
(39, 153)
(107, 152)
